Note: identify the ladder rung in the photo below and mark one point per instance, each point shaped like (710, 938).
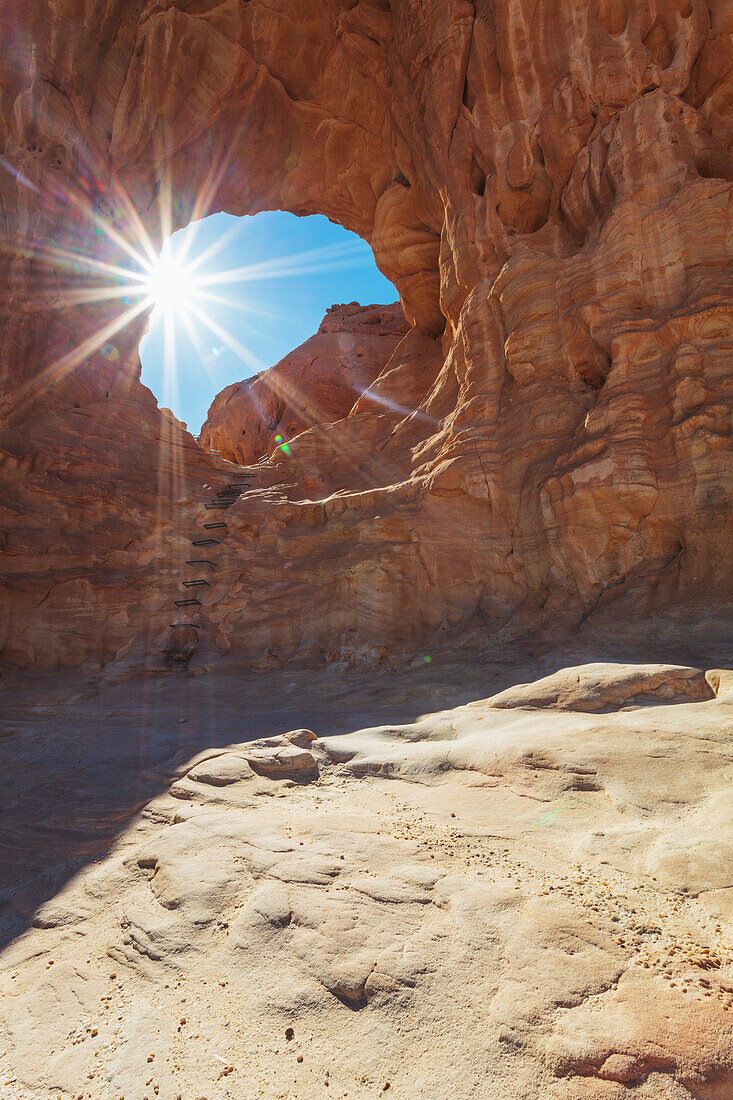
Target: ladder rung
(205, 542)
(188, 603)
(217, 504)
(243, 475)
(195, 584)
(193, 626)
(201, 561)
(211, 526)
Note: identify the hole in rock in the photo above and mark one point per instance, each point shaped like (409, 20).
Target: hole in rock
(478, 179)
(234, 295)
(469, 98)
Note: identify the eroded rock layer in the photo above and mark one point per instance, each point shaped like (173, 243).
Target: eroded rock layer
(549, 188)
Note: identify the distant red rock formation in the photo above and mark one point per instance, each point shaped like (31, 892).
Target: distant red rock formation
(317, 384)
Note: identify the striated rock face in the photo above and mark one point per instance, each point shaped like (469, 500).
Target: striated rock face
(549, 188)
(315, 385)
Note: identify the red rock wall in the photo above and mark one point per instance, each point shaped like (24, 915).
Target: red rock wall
(548, 185)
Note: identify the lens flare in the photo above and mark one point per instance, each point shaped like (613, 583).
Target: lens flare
(121, 270)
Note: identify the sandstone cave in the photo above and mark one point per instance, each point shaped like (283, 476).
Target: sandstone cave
(379, 740)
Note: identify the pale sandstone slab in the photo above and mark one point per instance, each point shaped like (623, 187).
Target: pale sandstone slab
(604, 686)
(528, 899)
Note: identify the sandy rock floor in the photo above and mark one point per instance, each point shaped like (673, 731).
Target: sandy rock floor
(440, 897)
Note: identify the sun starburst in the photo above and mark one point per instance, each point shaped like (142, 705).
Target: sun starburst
(118, 274)
(170, 285)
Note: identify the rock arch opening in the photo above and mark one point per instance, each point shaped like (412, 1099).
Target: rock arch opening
(236, 295)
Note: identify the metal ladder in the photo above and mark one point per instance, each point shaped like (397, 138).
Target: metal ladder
(225, 498)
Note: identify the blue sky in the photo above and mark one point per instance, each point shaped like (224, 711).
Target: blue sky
(276, 277)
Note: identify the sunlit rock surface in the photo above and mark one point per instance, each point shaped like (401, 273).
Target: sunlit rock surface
(548, 187)
(424, 891)
(317, 384)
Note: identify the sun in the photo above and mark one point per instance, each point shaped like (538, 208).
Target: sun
(170, 286)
